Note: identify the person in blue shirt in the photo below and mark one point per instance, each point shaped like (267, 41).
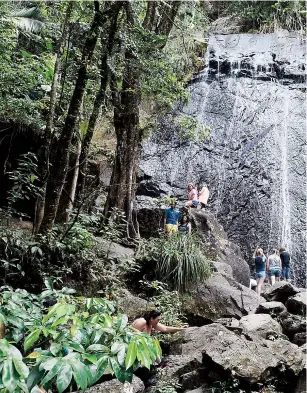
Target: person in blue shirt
(260, 265)
(171, 218)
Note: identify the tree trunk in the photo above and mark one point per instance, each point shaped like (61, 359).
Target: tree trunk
(73, 186)
(126, 117)
(40, 206)
(60, 159)
(106, 51)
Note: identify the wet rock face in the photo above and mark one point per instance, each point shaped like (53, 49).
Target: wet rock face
(251, 94)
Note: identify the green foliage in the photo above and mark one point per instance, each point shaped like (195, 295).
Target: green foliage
(25, 179)
(269, 15)
(191, 130)
(75, 342)
(178, 259)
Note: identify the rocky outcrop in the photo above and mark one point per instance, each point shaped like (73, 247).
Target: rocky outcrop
(252, 96)
(114, 386)
(229, 25)
(292, 324)
(221, 296)
(213, 349)
(260, 325)
(132, 305)
(218, 247)
(272, 308)
(281, 291)
(297, 304)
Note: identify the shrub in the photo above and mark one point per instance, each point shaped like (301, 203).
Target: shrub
(70, 345)
(179, 260)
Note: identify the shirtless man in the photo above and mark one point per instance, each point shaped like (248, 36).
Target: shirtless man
(151, 320)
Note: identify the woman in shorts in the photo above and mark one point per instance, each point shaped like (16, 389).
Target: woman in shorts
(260, 263)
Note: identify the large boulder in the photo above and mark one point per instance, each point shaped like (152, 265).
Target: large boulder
(280, 291)
(292, 324)
(132, 305)
(260, 325)
(301, 383)
(297, 304)
(229, 25)
(114, 386)
(214, 348)
(221, 296)
(299, 339)
(218, 247)
(272, 308)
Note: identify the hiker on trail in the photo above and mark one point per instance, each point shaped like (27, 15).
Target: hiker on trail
(260, 264)
(203, 197)
(171, 218)
(285, 264)
(151, 320)
(193, 198)
(185, 226)
(273, 266)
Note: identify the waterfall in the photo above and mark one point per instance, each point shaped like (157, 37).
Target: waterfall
(252, 95)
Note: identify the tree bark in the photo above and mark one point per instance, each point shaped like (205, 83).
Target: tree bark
(60, 159)
(106, 51)
(126, 116)
(40, 206)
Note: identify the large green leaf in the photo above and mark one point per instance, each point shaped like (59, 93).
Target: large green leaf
(122, 321)
(80, 374)
(21, 368)
(97, 348)
(10, 377)
(53, 372)
(131, 354)
(34, 377)
(31, 339)
(64, 377)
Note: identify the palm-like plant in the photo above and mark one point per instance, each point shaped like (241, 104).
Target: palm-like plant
(28, 19)
(179, 260)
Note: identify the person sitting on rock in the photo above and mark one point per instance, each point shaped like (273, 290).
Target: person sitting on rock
(273, 266)
(185, 226)
(203, 197)
(171, 218)
(285, 264)
(260, 263)
(193, 197)
(151, 320)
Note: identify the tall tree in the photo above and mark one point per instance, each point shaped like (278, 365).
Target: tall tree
(40, 207)
(107, 45)
(60, 158)
(158, 20)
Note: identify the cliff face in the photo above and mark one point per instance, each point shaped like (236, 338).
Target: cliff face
(252, 95)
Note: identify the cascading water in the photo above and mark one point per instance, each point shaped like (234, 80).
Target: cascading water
(252, 95)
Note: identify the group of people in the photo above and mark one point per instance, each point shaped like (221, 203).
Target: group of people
(173, 222)
(276, 266)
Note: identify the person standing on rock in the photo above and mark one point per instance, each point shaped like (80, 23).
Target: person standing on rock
(171, 218)
(285, 264)
(274, 266)
(260, 264)
(203, 197)
(193, 197)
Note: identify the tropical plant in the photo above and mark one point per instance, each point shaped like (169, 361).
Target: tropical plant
(25, 178)
(179, 260)
(73, 344)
